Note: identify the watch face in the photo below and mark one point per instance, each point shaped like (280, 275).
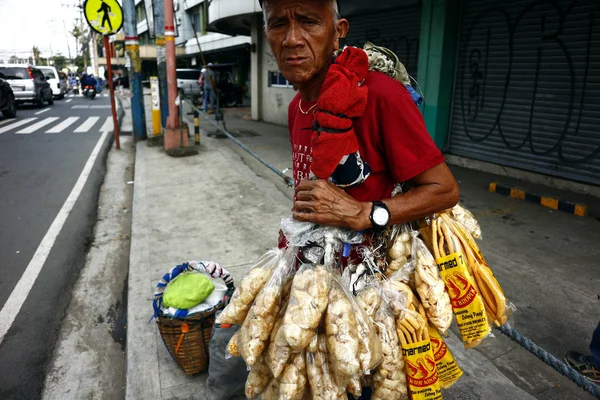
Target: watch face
(381, 216)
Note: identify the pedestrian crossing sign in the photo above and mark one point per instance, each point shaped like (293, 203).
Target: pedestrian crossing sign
(104, 16)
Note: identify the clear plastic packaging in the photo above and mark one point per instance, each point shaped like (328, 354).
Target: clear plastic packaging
(279, 352)
(257, 327)
(236, 311)
(232, 347)
(342, 335)
(272, 391)
(399, 253)
(293, 382)
(389, 381)
(466, 218)
(258, 379)
(320, 378)
(355, 387)
(431, 288)
(308, 301)
(369, 350)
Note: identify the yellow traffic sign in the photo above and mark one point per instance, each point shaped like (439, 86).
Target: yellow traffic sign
(104, 16)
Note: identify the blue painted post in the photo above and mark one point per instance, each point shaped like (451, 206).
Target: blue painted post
(132, 46)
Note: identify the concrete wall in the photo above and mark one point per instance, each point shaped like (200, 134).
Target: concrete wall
(274, 100)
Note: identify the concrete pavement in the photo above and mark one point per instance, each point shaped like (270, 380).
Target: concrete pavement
(224, 206)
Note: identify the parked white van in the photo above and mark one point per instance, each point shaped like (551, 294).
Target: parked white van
(58, 88)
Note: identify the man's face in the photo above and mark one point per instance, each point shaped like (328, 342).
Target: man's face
(302, 36)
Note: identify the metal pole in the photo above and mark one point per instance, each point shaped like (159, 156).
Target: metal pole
(112, 92)
(172, 120)
(132, 46)
(196, 126)
(161, 60)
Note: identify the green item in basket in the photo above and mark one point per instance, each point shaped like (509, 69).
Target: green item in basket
(187, 290)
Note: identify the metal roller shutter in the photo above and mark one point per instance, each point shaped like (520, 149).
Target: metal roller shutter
(398, 29)
(527, 91)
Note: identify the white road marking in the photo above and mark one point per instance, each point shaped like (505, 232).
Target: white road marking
(19, 294)
(63, 125)
(97, 107)
(17, 124)
(36, 126)
(87, 125)
(67, 101)
(79, 106)
(7, 120)
(108, 125)
(42, 111)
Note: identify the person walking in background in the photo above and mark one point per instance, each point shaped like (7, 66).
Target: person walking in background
(207, 78)
(588, 366)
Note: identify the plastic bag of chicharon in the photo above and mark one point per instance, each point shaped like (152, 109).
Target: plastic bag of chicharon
(258, 379)
(341, 327)
(400, 249)
(389, 380)
(364, 304)
(430, 286)
(257, 327)
(242, 299)
(279, 352)
(307, 304)
(320, 379)
(467, 303)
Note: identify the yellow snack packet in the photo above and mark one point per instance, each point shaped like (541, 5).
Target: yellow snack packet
(421, 372)
(447, 368)
(467, 304)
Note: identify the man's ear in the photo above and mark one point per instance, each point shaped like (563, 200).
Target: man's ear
(341, 31)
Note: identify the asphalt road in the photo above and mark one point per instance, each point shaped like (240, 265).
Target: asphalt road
(41, 159)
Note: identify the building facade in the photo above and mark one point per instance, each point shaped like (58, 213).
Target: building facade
(514, 83)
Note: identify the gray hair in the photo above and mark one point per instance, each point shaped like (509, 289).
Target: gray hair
(333, 7)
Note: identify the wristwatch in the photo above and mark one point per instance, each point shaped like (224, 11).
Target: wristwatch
(380, 215)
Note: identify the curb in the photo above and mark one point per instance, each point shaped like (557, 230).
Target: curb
(120, 112)
(549, 202)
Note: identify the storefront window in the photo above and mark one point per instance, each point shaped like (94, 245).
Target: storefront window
(276, 79)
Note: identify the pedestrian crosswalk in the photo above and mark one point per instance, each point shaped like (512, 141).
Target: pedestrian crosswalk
(63, 125)
(50, 125)
(37, 125)
(81, 95)
(87, 125)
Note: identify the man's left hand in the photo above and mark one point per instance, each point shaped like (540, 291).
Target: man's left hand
(323, 203)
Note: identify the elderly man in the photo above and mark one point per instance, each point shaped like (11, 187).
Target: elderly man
(390, 132)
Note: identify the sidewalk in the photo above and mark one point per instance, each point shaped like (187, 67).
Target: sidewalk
(222, 205)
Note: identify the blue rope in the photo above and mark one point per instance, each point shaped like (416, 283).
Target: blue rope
(288, 180)
(552, 361)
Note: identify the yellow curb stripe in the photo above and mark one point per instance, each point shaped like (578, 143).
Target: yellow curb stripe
(549, 202)
(517, 193)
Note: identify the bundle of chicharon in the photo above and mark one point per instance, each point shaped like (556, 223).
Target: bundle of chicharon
(312, 329)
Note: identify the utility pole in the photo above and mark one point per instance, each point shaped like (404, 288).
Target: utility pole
(175, 135)
(132, 46)
(159, 36)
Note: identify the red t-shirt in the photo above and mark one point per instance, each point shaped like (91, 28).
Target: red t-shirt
(391, 134)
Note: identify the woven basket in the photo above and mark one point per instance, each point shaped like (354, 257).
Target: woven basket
(192, 354)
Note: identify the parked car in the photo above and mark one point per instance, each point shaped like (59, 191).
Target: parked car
(27, 83)
(51, 74)
(8, 105)
(187, 80)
